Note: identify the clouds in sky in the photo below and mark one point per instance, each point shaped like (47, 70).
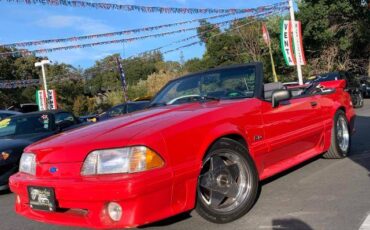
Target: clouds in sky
(85, 25)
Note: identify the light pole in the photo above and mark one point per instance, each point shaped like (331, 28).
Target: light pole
(42, 64)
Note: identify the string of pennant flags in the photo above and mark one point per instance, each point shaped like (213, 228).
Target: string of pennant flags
(193, 37)
(6, 84)
(138, 8)
(276, 6)
(18, 83)
(127, 40)
(214, 35)
(14, 84)
(111, 34)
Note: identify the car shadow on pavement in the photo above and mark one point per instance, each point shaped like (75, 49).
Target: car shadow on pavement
(290, 224)
(168, 221)
(360, 152)
(4, 192)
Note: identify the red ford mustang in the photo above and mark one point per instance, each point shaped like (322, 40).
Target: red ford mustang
(206, 142)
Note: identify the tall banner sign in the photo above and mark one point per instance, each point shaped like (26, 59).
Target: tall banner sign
(287, 44)
(43, 101)
(265, 34)
(122, 77)
(52, 100)
(298, 27)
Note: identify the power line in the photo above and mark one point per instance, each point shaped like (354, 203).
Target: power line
(195, 36)
(121, 7)
(86, 45)
(132, 31)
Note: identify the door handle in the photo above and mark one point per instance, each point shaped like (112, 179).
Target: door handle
(313, 103)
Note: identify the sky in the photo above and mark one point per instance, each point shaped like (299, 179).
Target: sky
(20, 22)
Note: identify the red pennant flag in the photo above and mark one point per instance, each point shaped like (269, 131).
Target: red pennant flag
(265, 34)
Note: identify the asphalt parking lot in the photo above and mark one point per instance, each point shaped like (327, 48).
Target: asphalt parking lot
(320, 194)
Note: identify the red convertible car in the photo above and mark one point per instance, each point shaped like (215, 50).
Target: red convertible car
(206, 142)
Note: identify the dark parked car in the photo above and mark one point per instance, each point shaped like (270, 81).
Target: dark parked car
(354, 87)
(19, 131)
(365, 86)
(25, 108)
(7, 113)
(124, 108)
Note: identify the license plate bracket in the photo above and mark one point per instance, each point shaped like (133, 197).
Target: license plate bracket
(42, 198)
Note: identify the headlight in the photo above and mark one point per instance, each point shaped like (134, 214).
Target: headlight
(28, 163)
(122, 160)
(5, 155)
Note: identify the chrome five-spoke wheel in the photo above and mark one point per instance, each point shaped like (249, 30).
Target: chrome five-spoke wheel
(342, 134)
(225, 181)
(228, 182)
(340, 137)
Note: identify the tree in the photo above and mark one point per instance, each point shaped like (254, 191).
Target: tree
(206, 30)
(336, 34)
(80, 105)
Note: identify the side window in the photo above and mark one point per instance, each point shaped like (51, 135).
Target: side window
(4, 115)
(135, 107)
(117, 111)
(59, 117)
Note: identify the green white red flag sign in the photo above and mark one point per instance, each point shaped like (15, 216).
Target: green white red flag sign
(287, 44)
(43, 102)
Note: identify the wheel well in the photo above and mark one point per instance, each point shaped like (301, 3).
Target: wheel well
(235, 137)
(342, 108)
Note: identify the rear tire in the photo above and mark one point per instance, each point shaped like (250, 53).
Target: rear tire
(228, 183)
(340, 137)
(360, 101)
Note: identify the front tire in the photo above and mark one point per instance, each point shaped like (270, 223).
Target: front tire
(340, 137)
(228, 183)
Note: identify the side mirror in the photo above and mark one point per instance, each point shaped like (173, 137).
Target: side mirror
(279, 96)
(63, 125)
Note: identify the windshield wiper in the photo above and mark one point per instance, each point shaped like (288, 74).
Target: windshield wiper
(209, 98)
(157, 104)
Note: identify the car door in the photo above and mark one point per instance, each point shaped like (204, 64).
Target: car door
(292, 128)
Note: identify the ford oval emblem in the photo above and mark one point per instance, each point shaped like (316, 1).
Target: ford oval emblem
(53, 169)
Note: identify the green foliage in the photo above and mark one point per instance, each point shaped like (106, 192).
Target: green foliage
(336, 34)
(221, 50)
(195, 65)
(79, 105)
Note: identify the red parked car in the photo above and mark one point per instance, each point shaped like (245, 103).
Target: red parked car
(206, 142)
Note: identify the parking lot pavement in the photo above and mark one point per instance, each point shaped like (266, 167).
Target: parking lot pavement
(320, 194)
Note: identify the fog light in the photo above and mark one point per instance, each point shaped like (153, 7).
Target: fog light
(18, 199)
(114, 211)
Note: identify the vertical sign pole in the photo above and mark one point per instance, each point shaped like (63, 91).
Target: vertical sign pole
(273, 64)
(296, 47)
(45, 86)
(42, 64)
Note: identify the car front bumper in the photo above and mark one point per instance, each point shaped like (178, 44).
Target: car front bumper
(82, 202)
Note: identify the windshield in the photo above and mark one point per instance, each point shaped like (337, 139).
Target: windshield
(328, 77)
(217, 84)
(23, 125)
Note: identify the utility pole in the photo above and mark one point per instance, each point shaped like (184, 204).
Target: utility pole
(296, 48)
(42, 64)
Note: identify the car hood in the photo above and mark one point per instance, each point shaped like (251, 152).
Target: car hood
(10, 144)
(21, 141)
(74, 145)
